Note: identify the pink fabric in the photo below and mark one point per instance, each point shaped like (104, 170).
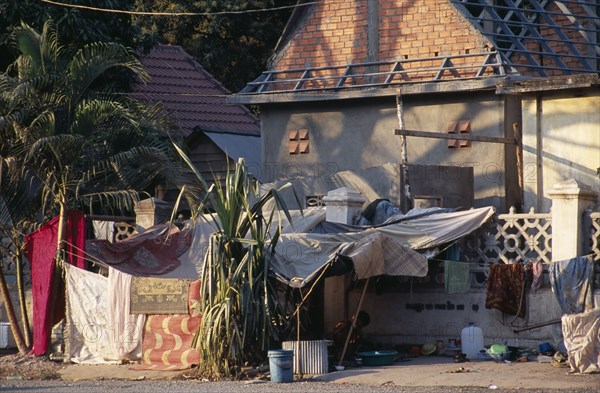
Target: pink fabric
(47, 287)
(150, 253)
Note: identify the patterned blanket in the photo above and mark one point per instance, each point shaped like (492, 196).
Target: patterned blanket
(151, 295)
(167, 343)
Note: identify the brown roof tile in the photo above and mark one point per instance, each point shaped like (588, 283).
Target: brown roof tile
(192, 95)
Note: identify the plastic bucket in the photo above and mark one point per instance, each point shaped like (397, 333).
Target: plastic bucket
(281, 362)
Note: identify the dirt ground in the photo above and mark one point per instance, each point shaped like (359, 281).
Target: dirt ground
(421, 371)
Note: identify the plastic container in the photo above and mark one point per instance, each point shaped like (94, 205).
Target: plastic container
(378, 358)
(313, 356)
(472, 341)
(281, 362)
(4, 330)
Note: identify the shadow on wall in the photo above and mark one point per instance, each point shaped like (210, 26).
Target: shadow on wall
(454, 185)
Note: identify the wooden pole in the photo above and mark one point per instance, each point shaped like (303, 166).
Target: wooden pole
(298, 341)
(360, 302)
(520, 170)
(406, 202)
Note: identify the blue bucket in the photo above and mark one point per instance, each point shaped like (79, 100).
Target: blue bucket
(281, 362)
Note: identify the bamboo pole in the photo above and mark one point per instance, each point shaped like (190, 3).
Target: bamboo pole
(360, 302)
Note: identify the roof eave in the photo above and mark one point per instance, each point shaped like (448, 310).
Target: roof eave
(563, 82)
(340, 94)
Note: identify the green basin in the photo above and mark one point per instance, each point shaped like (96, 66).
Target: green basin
(377, 358)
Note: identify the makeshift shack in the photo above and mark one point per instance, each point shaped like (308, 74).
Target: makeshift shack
(137, 299)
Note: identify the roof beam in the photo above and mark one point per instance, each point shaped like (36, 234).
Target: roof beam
(462, 137)
(563, 37)
(580, 28)
(514, 39)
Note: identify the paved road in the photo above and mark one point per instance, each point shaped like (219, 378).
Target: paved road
(241, 387)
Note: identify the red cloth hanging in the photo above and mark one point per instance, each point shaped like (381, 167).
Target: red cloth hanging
(47, 287)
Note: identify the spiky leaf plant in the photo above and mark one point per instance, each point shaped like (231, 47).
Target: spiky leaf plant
(241, 316)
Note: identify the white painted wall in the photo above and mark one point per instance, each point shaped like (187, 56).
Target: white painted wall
(569, 145)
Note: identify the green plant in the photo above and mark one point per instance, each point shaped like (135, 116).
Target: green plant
(241, 317)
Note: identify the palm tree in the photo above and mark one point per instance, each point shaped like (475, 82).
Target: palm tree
(70, 136)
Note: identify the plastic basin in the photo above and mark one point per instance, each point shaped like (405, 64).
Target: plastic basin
(377, 358)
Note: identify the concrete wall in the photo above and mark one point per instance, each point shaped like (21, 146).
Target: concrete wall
(561, 134)
(393, 322)
(358, 134)
(453, 184)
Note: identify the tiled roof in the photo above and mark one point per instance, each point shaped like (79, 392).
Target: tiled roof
(193, 96)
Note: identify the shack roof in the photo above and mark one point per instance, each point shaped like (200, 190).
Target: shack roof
(196, 100)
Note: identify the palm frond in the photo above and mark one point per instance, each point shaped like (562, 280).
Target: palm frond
(27, 42)
(94, 59)
(102, 116)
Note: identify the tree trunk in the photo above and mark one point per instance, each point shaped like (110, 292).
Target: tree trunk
(22, 302)
(62, 228)
(12, 318)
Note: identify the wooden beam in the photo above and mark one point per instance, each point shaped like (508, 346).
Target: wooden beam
(460, 137)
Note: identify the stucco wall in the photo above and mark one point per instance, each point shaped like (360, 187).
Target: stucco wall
(358, 134)
(568, 147)
(392, 322)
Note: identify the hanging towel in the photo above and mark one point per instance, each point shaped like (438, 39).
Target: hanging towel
(126, 329)
(572, 281)
(506, 289)
(46, 286)
(457, 277)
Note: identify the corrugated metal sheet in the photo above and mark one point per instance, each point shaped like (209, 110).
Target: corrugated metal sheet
(313, 356)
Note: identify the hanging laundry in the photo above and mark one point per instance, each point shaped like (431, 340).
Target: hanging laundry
(126, 329)
(47, 286)
(457, 277)
(537, 269)
(506, 289)
(572, 281)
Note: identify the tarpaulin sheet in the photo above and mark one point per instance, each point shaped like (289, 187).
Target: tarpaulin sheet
(572, 283)
(581, 334)
(299, 257)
